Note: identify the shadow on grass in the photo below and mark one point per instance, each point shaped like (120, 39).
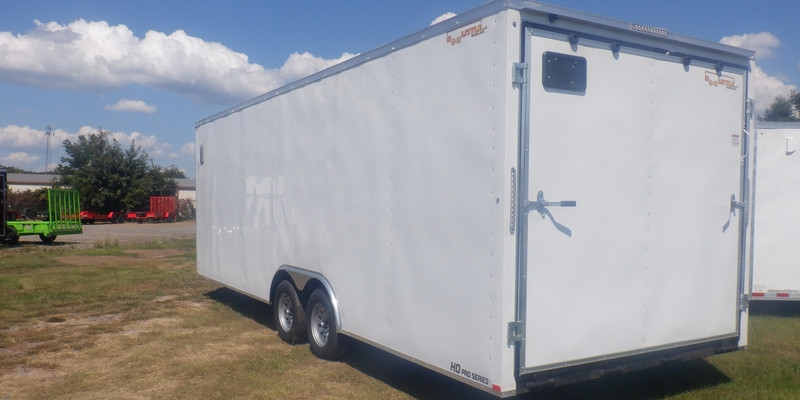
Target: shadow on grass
(247, 306)
(38, 243)
(422, 383)
(405, 376)
(776, 308)
(33, 242)
(657, 383)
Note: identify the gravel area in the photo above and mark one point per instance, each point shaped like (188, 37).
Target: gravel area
(122, 233)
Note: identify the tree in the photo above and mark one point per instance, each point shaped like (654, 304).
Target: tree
(15, 170)
(783, 109)
(794, 98)
(173, 172)
(31, 204)
(109, 178)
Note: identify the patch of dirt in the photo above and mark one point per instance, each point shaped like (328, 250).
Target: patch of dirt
(79, 322)
(151, 325)
(53, 351)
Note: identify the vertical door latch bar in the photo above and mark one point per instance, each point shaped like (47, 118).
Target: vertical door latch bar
(512, 223)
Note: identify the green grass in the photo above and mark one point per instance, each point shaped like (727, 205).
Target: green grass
(136, 321)
(38, 284)
(768, 369)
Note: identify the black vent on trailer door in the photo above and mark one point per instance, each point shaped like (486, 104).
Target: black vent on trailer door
(564, 72)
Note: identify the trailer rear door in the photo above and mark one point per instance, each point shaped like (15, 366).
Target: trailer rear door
(631, 243)
(776, 275)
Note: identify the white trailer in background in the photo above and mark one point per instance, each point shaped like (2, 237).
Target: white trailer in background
(776, 208)
(519, 196)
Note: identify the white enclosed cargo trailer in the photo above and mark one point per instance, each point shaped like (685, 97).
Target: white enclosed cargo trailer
(519, 196)
(776, 222)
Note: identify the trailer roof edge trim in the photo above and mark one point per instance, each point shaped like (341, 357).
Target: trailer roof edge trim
(629, 26)
(778, 124)
(470, 16)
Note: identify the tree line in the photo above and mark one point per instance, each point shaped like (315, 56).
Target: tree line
(783, 109)
(109, 177)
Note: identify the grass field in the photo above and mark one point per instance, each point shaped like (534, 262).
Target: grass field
(136, 322)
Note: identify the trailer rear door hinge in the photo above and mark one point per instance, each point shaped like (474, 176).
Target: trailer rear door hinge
(516, 332)
(520, 74)
(736, 205)
(744, 302)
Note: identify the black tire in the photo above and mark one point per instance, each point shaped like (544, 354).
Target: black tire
(48, 239)
(117, 218)
(323, 339)
(12, 237)
(288, 313)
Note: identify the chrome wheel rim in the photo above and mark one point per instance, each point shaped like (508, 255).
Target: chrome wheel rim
(285, 316)
(320, 328)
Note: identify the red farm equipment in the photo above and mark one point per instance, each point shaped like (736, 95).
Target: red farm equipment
(90, 217)
(162, 209)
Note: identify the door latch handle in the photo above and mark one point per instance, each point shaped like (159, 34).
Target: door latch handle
(736, 205)
(540, 204)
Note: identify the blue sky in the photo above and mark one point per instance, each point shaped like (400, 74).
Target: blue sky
(148, 70)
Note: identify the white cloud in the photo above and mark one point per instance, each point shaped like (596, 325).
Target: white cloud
(29, 139)
(154, 147)
(762, 43)
(764, 88)
(300, 65)
(94, 55)
(21, 137)
(132, 105)
(188, 149)
(443, 17)
(19, 159)
(23, 147)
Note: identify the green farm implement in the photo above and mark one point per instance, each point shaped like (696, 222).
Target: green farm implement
(63, 218)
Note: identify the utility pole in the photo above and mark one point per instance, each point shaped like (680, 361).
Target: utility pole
(48, 131)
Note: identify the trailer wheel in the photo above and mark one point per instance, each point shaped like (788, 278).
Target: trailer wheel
(12, 237)
(47, 239)
(322, 336)
(288, 313)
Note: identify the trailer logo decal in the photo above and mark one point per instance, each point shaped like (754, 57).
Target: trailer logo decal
(726, 81)
(456, 368)
(474, 29)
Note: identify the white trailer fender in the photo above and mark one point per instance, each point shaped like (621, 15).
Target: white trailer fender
(300, 277)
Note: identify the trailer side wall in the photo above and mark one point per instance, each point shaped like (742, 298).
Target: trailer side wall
(776, 263)
(392, 179)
